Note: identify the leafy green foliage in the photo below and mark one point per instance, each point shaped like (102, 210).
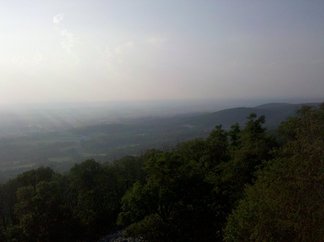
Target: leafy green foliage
(41, 205)
(239, 184)
(190, 190)
(175, 191)
(286, 202)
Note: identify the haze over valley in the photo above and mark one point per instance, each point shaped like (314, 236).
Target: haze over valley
(60, 136)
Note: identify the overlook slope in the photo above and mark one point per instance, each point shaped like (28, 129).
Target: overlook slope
(108, 141)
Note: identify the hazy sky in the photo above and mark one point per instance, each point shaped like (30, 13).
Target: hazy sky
(92, 50)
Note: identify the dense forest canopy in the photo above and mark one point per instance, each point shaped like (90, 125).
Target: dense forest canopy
(238, 184)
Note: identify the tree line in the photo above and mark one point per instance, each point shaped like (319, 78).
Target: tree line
(241, 184)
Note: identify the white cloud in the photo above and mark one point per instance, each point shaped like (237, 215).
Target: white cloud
(67, 40)
(58, 18)
(116, 55)
(29, 63)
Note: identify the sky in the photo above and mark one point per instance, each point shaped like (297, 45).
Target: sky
(119, 50)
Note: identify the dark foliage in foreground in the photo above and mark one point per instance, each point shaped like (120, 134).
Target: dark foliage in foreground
(286, 203)
(240, 184)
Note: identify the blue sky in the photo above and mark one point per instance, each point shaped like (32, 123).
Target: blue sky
(95, 50)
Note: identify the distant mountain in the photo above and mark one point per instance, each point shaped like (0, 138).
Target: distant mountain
(104, 142)
(275, 113)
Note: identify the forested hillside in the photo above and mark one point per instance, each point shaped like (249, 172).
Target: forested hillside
(243, 183)
(109, 141)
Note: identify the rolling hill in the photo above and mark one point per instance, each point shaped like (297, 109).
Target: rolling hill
(108, 141)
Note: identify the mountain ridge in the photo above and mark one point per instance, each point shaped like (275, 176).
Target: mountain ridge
(106, 142)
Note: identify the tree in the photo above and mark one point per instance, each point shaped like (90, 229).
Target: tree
(176, 201)
(286, 202)
(42, 212)
(252, 148)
